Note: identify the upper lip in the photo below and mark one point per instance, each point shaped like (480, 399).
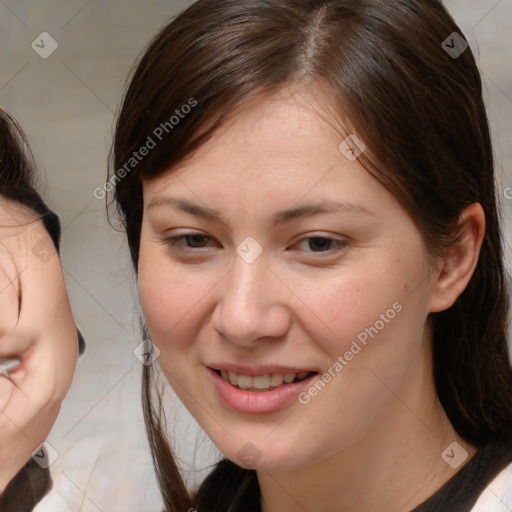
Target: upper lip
(253, 371)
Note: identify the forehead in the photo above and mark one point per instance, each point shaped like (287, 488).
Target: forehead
(271, 155)
(287, 136)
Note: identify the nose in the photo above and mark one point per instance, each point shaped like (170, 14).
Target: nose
(252, 304)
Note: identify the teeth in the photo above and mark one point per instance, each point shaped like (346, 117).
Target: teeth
(261, 381)
(244, 381)
(276, 379)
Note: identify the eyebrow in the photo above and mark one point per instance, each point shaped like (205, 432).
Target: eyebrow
(282, 217)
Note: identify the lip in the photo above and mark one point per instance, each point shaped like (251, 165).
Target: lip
(258, 402)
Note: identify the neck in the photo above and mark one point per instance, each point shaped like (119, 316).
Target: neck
(395, 466)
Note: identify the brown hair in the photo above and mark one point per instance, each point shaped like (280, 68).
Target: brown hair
(26, 489)
(17, 166)
(18, 177)
(418, 109)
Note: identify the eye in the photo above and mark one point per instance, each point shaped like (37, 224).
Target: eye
(323, 243)
(192, 241)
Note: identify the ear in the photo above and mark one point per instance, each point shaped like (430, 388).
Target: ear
(458, 265)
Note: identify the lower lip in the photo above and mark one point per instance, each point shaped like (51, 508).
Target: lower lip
(258, 402)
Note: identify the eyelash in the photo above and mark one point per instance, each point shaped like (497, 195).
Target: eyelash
(174, 242)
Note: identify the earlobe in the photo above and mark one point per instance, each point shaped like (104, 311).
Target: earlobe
(458, 265)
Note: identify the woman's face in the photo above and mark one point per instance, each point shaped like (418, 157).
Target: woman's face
(273, 256)
(36, 327)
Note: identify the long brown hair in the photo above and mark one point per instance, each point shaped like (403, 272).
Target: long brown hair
(418, 108)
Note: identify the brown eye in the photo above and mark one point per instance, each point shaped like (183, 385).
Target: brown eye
(322, 244)
(195, 240)
(187, 242)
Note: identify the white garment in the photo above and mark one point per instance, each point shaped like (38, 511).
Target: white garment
(104, 462)
(497, 496)
(106, 472)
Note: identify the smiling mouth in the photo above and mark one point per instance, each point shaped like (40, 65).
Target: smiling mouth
(266, 382)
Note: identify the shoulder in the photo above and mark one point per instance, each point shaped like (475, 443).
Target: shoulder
(497, 496)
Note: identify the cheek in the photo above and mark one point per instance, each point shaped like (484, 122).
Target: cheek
(170, 299)
(61, 331)
(9, 290)
(353, 305)
(376, 321)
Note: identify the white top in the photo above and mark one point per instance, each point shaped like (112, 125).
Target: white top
(497, 496)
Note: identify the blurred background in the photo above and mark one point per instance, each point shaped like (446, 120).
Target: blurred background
(66, 101)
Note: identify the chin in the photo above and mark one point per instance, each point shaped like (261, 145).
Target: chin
(262, 454)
